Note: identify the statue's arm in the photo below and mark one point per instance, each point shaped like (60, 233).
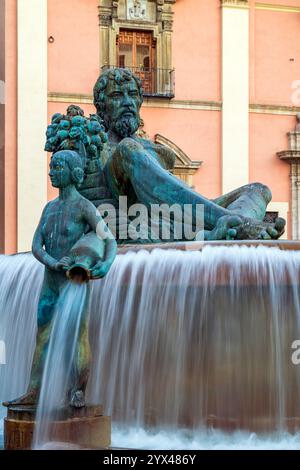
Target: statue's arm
(38, 246)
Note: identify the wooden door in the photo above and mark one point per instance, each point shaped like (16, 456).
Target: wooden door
(136, 51)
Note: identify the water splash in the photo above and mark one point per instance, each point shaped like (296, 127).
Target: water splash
(57, 375)
(182, 339)
(200, 439)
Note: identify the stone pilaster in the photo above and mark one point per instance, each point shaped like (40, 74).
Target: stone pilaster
(292, 156)
(235, 94)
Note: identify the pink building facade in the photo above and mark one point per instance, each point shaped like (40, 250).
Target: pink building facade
(235, 64)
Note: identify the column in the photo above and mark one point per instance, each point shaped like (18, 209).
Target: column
(235, 94)
(105, 23)
(32, 117)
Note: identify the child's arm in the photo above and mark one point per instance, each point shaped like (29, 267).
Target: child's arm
(38, 244)
(97, 224)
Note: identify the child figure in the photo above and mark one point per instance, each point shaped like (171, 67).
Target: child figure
(65, 221)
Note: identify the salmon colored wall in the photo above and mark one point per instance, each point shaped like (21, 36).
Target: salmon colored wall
(274, 40)
(11, 127)
(73, 58)
(268, 135)
(61, 108)
(197, 50)
(198, 134)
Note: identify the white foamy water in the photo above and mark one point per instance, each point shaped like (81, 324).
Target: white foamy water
(180, 340)
(57, 376)
(168, 439)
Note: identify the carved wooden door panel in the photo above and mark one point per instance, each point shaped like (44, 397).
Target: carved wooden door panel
(136, 50)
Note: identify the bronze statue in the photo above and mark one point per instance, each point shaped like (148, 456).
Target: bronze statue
(70, 231)
(138, 168)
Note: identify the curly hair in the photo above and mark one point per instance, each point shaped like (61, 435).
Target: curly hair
(119, 76)
(75, 164)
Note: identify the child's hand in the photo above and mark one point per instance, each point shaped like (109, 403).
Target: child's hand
(100, 269)
(63, 264)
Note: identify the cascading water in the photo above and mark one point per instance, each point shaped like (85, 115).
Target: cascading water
(57, 375)
(180, 340)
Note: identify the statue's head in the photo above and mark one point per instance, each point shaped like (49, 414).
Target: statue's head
(66, 168)
(118, 97)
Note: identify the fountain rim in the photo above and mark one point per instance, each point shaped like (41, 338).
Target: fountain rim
(284, 245)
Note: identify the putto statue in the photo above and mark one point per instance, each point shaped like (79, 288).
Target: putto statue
(72, 241)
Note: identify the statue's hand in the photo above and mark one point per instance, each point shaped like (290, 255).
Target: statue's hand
(100, 270)
(63, 264)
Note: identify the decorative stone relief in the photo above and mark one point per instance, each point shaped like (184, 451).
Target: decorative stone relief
(136, 9)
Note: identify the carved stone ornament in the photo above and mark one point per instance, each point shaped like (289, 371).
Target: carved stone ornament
(136, 9)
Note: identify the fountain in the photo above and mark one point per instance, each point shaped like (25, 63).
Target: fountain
(192, 340)
(194, 336)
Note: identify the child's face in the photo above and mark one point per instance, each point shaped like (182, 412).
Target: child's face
(60, 173)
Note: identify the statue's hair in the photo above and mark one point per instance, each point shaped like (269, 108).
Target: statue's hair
(119, 76)
(75, 164)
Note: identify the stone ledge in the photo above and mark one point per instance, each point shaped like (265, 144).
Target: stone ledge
(199, 245)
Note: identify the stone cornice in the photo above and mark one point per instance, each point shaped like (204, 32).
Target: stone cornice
(278, 8)
(289, 156)
(273, 109)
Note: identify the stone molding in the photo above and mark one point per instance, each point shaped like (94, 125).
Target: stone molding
(278, 8)
(75, 98)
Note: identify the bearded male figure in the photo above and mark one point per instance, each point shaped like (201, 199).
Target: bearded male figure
(140, 169)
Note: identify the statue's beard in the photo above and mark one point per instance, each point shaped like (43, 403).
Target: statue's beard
(125, 126)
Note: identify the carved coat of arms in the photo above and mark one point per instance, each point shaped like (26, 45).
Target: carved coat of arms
(136, 9)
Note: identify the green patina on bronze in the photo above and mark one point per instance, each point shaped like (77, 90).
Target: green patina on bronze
(138, 168)
(71, 239)
(127, 165)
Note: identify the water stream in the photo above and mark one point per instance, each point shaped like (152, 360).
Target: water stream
(58, 371)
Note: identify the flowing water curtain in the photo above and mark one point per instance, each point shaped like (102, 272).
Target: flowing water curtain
(178, 338)
(21, 278)
(191, 339)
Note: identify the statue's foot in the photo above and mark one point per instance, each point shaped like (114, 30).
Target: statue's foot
(235, 227)
(29, 399)
(77, 399)
(255, 230)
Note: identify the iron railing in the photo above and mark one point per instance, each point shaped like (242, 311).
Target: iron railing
(159, 83)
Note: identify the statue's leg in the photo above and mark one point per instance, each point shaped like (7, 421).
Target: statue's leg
(237, 215)
(81, 369)
(250, 200)
(132, 164)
